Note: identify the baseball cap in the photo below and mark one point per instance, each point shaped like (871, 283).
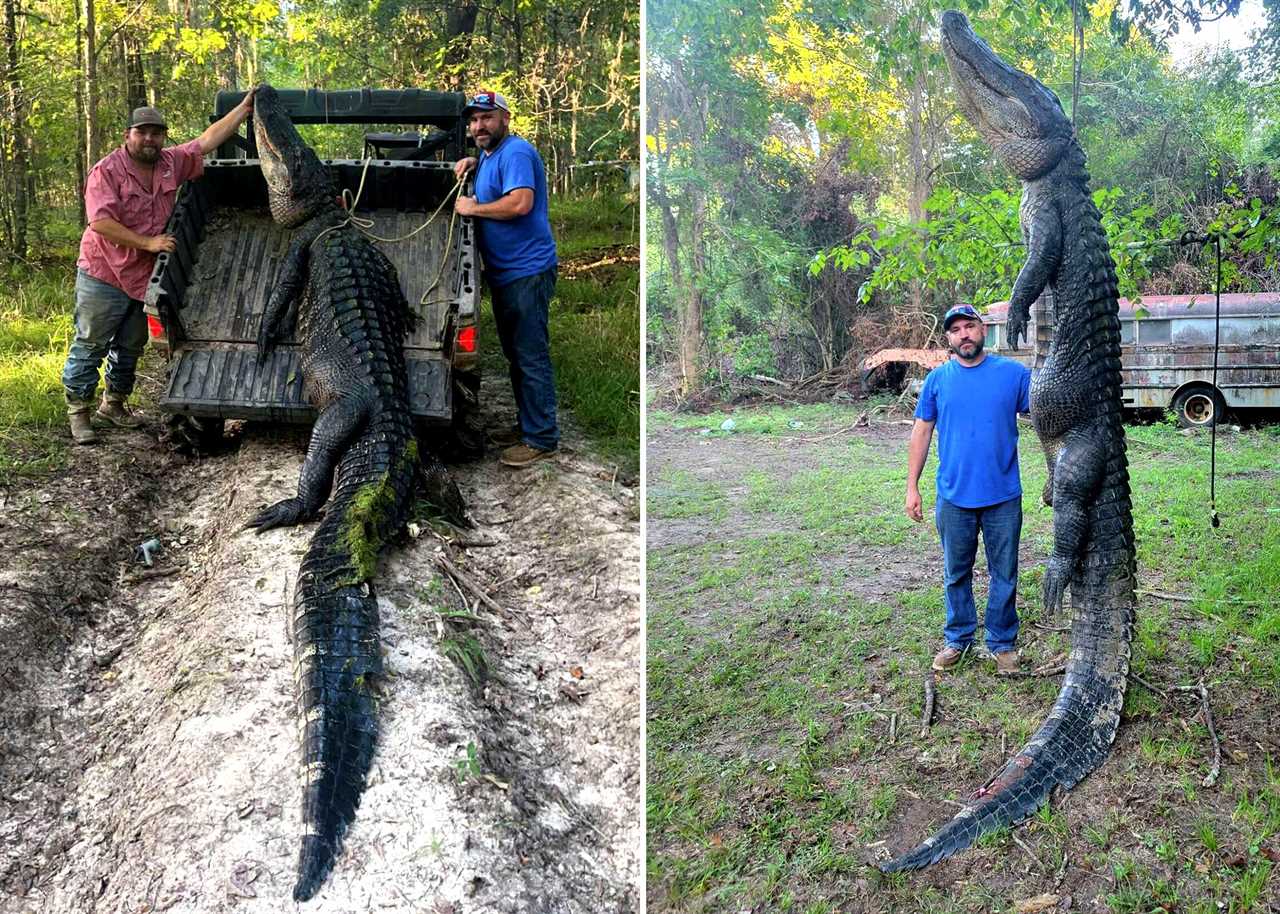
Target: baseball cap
(484, 100)
(147, 117)
(960, 311)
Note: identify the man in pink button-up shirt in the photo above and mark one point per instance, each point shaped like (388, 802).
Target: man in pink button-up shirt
(128, 199)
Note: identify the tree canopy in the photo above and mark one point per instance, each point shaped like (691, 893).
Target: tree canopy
(73, 69)
(814, 192)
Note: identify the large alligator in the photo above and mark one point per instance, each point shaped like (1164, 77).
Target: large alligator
(1076, 408)
(351, 319)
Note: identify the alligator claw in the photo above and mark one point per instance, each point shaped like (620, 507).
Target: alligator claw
(265, 348)
(285, 513)
(1056, 577)
(1015, 327)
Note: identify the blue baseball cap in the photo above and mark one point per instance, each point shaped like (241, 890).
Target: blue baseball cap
(484, 100)
(960, 311)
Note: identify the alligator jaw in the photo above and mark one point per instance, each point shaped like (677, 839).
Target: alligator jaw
(298, 184)
(1018, 116)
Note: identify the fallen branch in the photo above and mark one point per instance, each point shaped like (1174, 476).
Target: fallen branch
(1186, 598)
(1216, 768)
(148, 574)
(768, 380)
(1026, 850)
(1033, 674)
(1148, 686)
(893, 727)
(930, 697)
(476, 590)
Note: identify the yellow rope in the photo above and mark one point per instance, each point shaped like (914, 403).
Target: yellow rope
(363, 225)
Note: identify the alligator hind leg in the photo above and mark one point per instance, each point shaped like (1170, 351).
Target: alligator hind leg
(1077, 476)
(337, 425)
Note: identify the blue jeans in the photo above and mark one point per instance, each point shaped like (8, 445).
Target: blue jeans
(109, 324)
(521, 309)
(1001, 526)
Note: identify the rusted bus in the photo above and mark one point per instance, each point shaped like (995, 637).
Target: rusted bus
(1167, 351)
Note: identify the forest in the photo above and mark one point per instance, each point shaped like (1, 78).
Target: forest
(73, 70)
(815, 195)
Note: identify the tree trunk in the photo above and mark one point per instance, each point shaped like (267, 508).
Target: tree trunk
(93, 147)
(15, 121)
(460, 24)
(135, 74)
(916, 159)
(81, 141)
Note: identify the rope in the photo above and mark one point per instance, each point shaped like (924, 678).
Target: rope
(363, 226)
(1213, 428)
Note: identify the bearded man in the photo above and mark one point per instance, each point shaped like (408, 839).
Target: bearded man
(127, 199)
(514, 235)
(974, 400)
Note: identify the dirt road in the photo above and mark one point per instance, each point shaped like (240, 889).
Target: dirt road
(148, 760)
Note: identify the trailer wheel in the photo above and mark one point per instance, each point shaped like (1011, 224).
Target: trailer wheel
(1199, 407)
(193, 436)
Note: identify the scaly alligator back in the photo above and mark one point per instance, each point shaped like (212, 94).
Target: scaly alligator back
(1076, 408)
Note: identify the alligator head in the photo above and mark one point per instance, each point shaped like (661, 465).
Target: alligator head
(1016, 114)
(298, 184)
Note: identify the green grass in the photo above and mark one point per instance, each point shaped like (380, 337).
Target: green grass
(791, 625)
(35, 326)
(594, 329)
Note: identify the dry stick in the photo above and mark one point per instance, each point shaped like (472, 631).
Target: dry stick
(930, 696)
(1148, 686)
(1216, 768)
(1027, 851)
(470, 585)
(893, 727)
(1033, 674)
(1185, 598)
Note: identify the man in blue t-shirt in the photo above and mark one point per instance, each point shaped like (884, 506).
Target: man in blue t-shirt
(974, 400)
(514, 235)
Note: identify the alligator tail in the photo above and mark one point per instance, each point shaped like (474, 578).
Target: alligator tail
(337, 658)
(1077, 735)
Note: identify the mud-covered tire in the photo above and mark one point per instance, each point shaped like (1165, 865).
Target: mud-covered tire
(1199, 407)
(193, 436)
(463, 439)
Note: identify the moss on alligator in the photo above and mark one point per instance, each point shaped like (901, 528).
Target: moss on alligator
(359, 537)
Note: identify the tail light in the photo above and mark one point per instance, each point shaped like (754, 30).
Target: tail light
(467, 339)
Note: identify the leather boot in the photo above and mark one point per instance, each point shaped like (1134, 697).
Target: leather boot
(81, 425)
(113, 410)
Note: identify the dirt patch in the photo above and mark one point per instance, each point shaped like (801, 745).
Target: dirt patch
(149, 750)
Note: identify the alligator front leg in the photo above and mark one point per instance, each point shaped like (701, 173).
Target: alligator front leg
(1044, 253)
(337, 425)
(282, 304)
(1077, 477)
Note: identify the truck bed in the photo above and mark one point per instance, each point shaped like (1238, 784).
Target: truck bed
(211, 291)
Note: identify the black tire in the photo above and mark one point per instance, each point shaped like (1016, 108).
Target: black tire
(192, 436)
(464, 439)
(1199, 407)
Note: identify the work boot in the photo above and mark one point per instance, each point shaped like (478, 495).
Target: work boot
(1006, 663)
(947, 658)
(113, 410)
(507, 437)
(81, 425)
(521, 455)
